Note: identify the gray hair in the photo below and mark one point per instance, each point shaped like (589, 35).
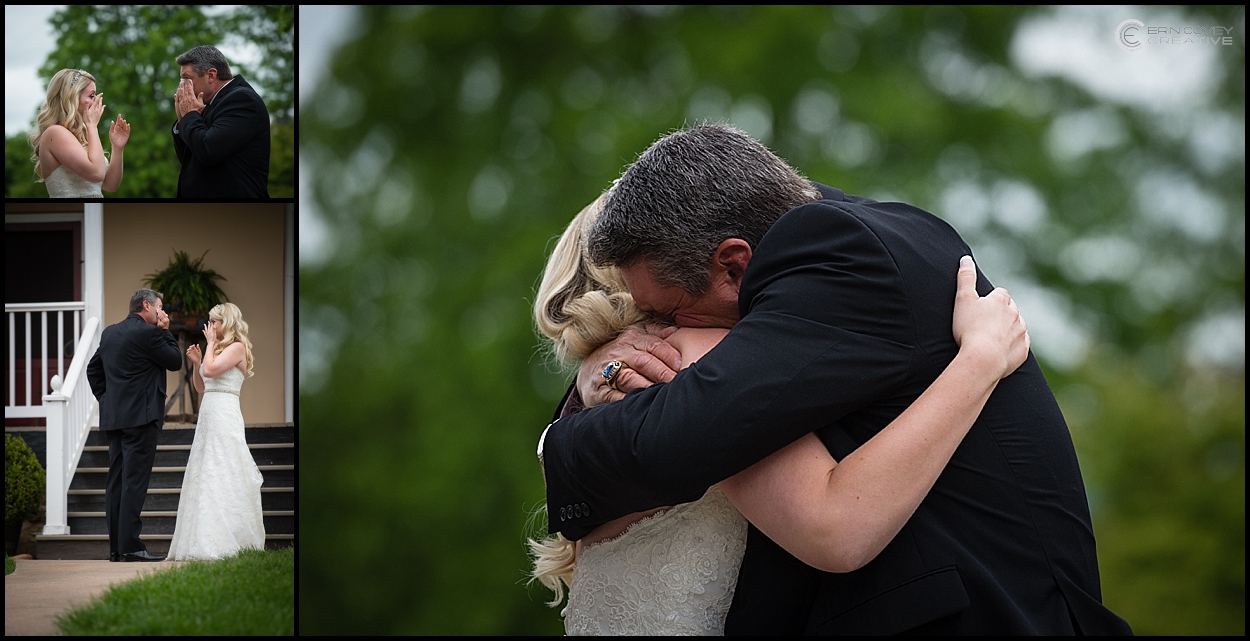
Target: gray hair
(205, 57)
(136, 301)
(688, 193)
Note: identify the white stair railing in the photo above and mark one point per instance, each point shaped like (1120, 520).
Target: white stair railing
(71, 409)
(37, 353)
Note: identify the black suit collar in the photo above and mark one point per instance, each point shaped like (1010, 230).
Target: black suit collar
(234, 84)
(829, 193)
(137, 317)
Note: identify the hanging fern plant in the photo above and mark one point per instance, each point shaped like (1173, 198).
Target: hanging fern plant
(187, 286)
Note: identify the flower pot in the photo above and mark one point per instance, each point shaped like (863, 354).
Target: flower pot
(181, 321)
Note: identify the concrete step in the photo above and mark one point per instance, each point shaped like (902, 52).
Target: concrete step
(184, 434)
(96, 546)
(272, 446)
(166, 498)
(171, 434)
(173, 455)
(162, 522)
(93, 478)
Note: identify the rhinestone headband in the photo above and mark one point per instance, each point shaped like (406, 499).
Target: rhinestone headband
(76, 74)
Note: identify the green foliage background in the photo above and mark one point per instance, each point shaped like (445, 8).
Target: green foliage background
(448, 147)
(131, 52)
(24, 480)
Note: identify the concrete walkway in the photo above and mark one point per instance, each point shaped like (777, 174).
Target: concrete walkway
(38, 591)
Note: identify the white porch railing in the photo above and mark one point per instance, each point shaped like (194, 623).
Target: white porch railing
(71, 408)
(19, 317)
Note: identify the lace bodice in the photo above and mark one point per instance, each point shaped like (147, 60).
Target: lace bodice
(229, 381)
(671, 573)
(63, 183)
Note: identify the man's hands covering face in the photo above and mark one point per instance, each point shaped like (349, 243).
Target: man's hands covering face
(185, 101)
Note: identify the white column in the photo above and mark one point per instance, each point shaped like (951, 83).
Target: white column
(290, 312)
(93, 270)
(93, 260)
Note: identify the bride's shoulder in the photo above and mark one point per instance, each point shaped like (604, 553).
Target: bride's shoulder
(56, 130)
(234, 351)
(694, 342)
(59, 135)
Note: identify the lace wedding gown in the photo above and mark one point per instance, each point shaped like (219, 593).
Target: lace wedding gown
(671, 573)
(219, 511)
(63, 183)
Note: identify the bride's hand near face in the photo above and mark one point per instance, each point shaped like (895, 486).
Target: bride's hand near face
(119, 133)
(193, 352)
(86, 163)
(95, 110)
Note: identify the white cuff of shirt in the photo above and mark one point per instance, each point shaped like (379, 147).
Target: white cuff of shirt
(541, 440)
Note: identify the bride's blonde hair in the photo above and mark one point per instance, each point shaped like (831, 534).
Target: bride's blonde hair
(61, 108)
(579, 307)
(233, 328)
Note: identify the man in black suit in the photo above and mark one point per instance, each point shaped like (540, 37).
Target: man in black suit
(841, 310)
(127, 376)
(222, 132)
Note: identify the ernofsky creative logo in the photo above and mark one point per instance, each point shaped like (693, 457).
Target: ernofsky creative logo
(1133, 35)
(1128, 34)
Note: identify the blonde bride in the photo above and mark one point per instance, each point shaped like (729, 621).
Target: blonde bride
(68, 156)
(219, 510)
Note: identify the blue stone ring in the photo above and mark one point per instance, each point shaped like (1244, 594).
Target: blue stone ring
(610, 373)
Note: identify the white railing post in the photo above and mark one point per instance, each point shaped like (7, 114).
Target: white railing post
(12, 399)
(71, 407)
(58, 486)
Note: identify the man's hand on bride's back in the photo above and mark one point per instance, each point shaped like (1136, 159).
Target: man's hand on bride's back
(989, 327)
(645, 356)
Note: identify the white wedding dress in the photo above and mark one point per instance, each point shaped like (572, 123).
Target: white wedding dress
(219, 511)
(672, 573)
(63, 183)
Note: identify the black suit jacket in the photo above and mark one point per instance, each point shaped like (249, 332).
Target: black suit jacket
(225, 152)
(127, 373)
(845, 320)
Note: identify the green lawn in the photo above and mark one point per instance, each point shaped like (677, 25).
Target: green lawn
(9, 564)
(252, 593)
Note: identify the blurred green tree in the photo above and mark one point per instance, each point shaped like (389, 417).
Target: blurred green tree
(131, 51)
(1164, 466)
(448, 146)
(19, 170)
(272, 29)
(282, 161)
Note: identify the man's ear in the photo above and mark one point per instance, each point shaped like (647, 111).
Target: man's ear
(731, 258)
